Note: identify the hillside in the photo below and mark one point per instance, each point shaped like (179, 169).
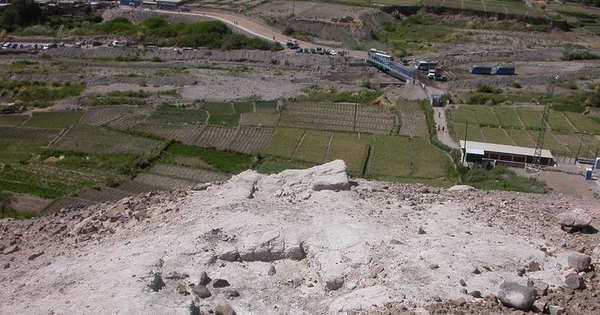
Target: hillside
(298, 242)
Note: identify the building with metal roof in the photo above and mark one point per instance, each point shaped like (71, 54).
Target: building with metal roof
(507, 154)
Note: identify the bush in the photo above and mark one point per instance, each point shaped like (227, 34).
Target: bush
(288, 31)
(484, 88)
(515, 84)
(579, 55)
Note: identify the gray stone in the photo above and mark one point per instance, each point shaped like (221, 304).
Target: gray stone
(517, 296)
(272, 245)
(174, 275)
(35, 255)
(533, 266)
(332, 269)
(541, 287)
(556, 310)
(575, 218)
(272, 271)
(224, 310)
(330, 176)
(230, 293)
(201, 291)
(230, 254)
(462, 282)
(575, 282)
(421, 231)
(475, 294)
(579, 262)
(220, 283)
(157, 282)
(539, 306)
(182, 289)
(11, 249)
(204, 278)
(194, 309)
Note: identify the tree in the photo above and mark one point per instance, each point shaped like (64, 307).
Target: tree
(20, 13)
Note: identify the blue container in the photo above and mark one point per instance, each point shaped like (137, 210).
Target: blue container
(588, 173)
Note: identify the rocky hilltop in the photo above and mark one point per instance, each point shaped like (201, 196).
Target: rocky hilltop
(306, 242)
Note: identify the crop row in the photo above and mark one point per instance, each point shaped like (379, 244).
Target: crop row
(559, 143)
(413, 120)
(241, 140)
(184, 134)
(99, 140)
(29, 134)
(191, 174)
(101, 115)
(521, 118)
(54, 120)
(163, 182)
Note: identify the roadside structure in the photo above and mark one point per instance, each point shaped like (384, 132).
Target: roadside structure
(477, 152)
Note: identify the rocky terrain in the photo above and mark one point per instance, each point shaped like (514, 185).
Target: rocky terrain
(307, 242)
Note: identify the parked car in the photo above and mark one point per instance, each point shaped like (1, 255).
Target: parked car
(441, 78)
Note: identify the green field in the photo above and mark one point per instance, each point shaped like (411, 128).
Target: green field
(313, 147)
(16, 151)
(99, 140)
(54, 119)
(283, 142)
(12, 120)
(351, 149)
(175, 115)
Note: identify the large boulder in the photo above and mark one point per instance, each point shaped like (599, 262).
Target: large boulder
(272, 245)
(331, 268)
(576, 218)
(362, 300)
(579, 262)
(241, 186)
(517, 296)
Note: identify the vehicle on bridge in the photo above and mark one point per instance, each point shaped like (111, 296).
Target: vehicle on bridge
(385, 63)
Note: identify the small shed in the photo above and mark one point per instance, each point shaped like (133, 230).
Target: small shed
(507, 154)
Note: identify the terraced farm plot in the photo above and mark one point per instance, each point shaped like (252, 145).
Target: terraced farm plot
(266, 107)
(351, 149)
(496, 135)
(218, 108)
(559, 123)
(220, 138)
(427, 160)
(337, 117)
(104, 194)
(178, 116)
(579, 144)
(64, 202)
(163, 182)
(188, 173)
(390, 157)
(99, 140)
(583, 123)
(463, 114)
(283, 142)
(522, 138)
(263, 120)
(137, 187)
(16, 151)
(12, 120)
(508, 117)
(102, 115)
(313, 147)
(52, 120)
(485, 116)
(532, 119)
(50, 181)
(183, 134)
(251, 141)
(29, 134)
(126, 122)
(550, 142)
(413, 120)
(243, 107)
(474, 132)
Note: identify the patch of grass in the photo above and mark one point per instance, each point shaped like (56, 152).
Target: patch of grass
(350, 148)
(226, 162)
(14, 151)
(500, 178)
(38, 93)
(175, 115)
(319, 94)
(119, 163)
(313, 147)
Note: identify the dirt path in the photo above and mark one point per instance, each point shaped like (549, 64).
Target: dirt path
(252, 27)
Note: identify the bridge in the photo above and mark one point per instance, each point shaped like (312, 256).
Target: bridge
(386, 64)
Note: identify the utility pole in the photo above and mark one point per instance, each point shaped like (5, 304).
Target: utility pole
(355, 110)
(537, 155)
(465, 146)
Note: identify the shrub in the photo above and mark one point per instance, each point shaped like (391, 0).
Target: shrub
(515, 84)
(288, 31)
(484, 88)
